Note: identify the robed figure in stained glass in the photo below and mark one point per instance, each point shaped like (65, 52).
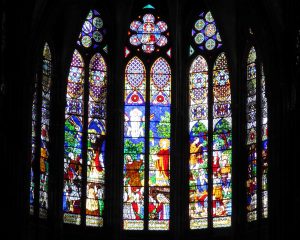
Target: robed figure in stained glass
(162, 159)
(196, 151)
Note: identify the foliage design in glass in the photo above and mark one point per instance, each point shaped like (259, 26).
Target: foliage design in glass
(159, 145)
(251, 141)
(264, 146)
(73, 141)
(205, 33)
(222, 145)
(92, 31)
(134, 145)
(198, 128)
(45, 119)
(42, 115)
(96, 141)
(148, 33)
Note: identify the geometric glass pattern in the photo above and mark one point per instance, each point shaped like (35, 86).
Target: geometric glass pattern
(92, 31)
(148, 33)
(222, 145)
(205, 33)
(251, 139)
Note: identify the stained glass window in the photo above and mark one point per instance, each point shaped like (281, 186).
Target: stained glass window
(210, 131)
(85, 128)
(40, 125)
(251, 137)
(147, 126)
(257, 138)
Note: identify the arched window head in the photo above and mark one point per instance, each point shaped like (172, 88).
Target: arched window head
(40, 145)
(257, 140)
(147, 124)
(85, 127)
(210, 129)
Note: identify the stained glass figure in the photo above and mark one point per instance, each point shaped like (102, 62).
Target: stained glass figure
(251, 141)
(134, 145)
(222, 144)
(92, 30)
(205, 33)
(148, 33)
(198, 165)
(73, 141)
